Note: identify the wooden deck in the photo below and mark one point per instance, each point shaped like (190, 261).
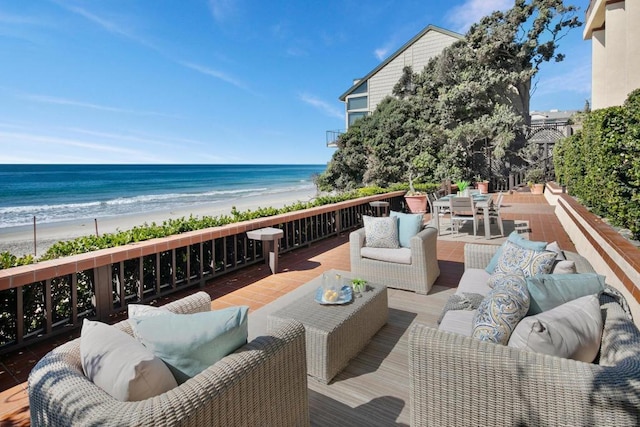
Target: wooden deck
(374, 388)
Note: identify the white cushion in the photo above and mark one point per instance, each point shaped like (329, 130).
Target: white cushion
(190, 343)
(458, 322)
(399, 256)
(474, 281)
(564, 267)
(117, 363)
(572, 330)
(381, 232)
(554, 247)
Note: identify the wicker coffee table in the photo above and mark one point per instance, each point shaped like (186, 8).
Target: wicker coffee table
(335, 334)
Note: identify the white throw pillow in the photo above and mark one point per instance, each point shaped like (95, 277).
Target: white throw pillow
(572, 330)
(564, 267)
(554, 247)
(120, 365)
(381, 232)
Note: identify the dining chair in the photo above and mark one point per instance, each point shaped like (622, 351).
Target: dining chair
(494, 212)
(462, 209)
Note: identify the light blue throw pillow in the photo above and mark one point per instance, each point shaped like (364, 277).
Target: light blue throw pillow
(516, 238)
(190, 343)
(552, 290)
(501, 310)
(408, 226)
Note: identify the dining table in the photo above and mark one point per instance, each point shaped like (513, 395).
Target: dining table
(480, 201)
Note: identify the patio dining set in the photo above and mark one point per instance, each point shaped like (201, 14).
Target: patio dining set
(470, 207)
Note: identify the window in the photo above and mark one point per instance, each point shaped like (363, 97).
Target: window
(363, 88)
(355, 116)
(359, 103)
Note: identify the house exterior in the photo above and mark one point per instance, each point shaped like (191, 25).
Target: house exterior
(613, 26)
(363, 96)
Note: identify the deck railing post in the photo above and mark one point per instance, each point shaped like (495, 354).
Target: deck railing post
(103, 291)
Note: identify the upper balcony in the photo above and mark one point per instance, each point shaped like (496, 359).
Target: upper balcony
(332, 138)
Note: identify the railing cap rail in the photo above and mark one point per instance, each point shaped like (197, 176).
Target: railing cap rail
(26, 274)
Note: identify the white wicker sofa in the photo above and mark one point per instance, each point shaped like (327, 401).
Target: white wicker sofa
(458, 380)
(413, 269)
(262, 383)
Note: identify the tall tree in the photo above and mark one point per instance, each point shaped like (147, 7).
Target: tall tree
(476, 90)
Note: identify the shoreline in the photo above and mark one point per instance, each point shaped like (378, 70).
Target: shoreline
(19, 240)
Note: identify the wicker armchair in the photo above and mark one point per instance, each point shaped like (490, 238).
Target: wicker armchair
(461, 381)
(262, 383)
(418, 276)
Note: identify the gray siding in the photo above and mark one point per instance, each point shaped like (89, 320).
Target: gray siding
(417, 55)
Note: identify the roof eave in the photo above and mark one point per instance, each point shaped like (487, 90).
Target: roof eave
(397, 53)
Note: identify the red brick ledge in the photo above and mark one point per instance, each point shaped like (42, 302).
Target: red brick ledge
(595, 238)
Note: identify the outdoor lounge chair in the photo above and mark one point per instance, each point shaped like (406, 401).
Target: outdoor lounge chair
(262, 383)
(418, 276)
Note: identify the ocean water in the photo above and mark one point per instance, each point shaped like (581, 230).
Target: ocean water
(54, 193)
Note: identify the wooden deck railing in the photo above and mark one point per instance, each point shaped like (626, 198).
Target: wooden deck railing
(47, 298)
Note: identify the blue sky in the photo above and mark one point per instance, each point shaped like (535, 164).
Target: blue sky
(213, 81)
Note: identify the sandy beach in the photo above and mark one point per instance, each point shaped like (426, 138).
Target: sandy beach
(20, 240)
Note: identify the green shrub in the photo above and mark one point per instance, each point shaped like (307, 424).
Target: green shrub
(600, 164)
(175, 226)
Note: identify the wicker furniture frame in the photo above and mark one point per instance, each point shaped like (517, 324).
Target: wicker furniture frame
(335, 334)
(418, 276)
(461, 381)
(262, 383)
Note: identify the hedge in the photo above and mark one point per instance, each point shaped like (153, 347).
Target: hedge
(600, 164)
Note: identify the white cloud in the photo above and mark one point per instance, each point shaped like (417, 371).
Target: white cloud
(321, 105)
(63, 101)
(471, 11)
(222, 9)
(577, 80)
(381, 53)
(215, 73)
(13, 137)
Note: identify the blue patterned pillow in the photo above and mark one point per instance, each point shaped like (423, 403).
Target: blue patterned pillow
(501, 310)
(519, 260)
(381, 232)
(514, 237)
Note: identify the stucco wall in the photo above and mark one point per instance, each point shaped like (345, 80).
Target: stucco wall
(615, 53)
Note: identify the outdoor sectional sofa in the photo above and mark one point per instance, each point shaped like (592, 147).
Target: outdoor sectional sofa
(262, 383)
(458, 380)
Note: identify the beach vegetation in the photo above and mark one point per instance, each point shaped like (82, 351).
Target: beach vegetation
(175, 226)
(471, 98)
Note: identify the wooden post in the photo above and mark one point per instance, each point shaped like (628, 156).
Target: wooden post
(95, 220)
(34, 237)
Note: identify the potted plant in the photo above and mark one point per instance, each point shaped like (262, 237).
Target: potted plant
(482, 185)
(417, 201)
(535, 180)
(463, 187)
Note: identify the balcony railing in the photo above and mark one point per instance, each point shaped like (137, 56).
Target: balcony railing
(332, 138)
(47, 298)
